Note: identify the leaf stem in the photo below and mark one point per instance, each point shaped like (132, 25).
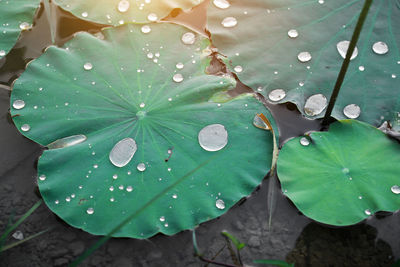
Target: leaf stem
(346, 62)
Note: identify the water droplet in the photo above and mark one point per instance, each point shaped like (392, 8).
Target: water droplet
(111, 188)
(24, 26)
(87, 66)
(19, 104)
(223, 4)
(304, 56)
(175, 196)
(95, 166)
(146, 29)
(238, 69)
(42, 177)
(112, 199)
(56, 202)
(121, 187)
(129, 188)
(352, 111)
(188, 38)
(304, 141)
(141, 167)
(166, 224)
(123, 6)
(90, 211)
(315, 104)
(367, 212)
(360, 197)
(152, 17)
(259, 123)
(68, 199)
(395, 189)
(2, 53)
(25, 127)
(277, 95)
(361, 68)
(162, 219)
(84, 14)
(380, 48)
(122, 152)
(293, 33)
(394, 76)
(177, 78)
(213, 137)
(115, 177)
(179, 65)
(67, 141)
(142, 105)
(346, 170)
(220, 204)
(18, 235)
(229, 22)
(342, 48)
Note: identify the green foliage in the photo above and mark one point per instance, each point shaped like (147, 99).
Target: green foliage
(234, 240)
(15, 15)
(130, 90)
(124, 11)
(342, 176)
(260, 44)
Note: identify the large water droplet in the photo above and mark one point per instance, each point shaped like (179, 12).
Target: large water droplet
(304, 141)
(84, 14)
(179, 65)
(342, 48)
(220, 204)
(90, 211)
(141, 167)
(19, 104)
(293, 33)
(2, 53)
(188, 38)
(177, 78)
(162, 219)
(367, 212)
(122, 152)
(304, 56)
(229, 22)
(213, 137)
(18, 235)
(315, 104)
(123, 6)
(352, 111)
(67, 141)
(146, 29)
(277, 95)
(42, 177)
(223, 4)
(129, 188)
(380, 48)
(395, 189)
(25, 127)
(87, 66)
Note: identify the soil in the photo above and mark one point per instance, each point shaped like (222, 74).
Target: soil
(291, 236)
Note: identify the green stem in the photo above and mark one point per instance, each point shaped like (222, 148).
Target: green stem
(346, 62)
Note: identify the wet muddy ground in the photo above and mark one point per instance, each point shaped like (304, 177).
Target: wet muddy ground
(291, 236)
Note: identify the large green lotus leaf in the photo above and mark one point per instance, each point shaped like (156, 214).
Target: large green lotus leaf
(133, 88)
(123, 11)
(15, 15)
(342, 176)
(260, 44)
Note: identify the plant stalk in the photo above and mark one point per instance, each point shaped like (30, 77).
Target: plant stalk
(346, 62)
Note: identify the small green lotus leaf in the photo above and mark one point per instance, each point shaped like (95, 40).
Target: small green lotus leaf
(342, 176)
(126, 116)
(124, 11)
(15, 16)
(299, 46)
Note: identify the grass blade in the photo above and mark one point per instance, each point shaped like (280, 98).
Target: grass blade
(23, 218)
(4, 248)
(278, 263)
